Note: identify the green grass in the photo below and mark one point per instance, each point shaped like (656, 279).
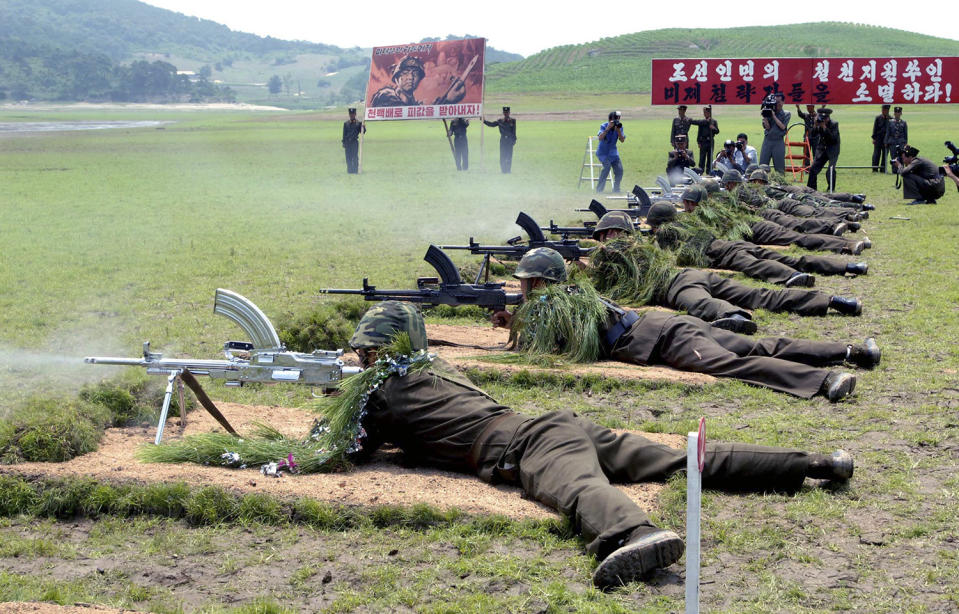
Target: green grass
(123, 236)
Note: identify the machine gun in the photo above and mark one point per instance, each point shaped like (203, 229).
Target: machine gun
(264, 360)
(448, 289)
(586, 230)
(514, 249)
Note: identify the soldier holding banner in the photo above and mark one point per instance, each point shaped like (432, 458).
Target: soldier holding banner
(351, 134)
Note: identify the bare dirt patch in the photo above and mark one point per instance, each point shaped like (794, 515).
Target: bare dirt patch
(378, 483)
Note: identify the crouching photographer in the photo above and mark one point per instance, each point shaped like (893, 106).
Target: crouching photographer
(921, 179)
(730, 157)
(680, 158)
(950, 166)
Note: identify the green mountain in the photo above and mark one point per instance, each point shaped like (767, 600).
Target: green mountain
(622, 63)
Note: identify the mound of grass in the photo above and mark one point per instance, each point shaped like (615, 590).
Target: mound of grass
(327, 327)
(52, 430)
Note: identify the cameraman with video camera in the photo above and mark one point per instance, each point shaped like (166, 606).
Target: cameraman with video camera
(921, 180)
(610, 135)
(775, 123)
(826, 132)
(731, 157)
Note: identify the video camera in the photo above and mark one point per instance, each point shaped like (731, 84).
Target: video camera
(768, 105)
(953, 160)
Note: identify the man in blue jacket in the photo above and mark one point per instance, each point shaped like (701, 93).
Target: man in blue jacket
(610, 135)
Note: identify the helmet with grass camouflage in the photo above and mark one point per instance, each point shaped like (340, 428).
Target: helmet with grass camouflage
(711, 184)
(732, 176)
(661, 213)
(694, 193)
(759, 175)
(382, 321)
(752, 167)
(541, 262)
(614, 220)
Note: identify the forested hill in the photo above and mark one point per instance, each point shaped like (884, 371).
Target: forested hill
(622, 63)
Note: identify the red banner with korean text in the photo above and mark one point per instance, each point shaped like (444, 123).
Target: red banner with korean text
(719, 81)
(436, 80)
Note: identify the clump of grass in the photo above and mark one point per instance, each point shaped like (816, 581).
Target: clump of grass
(46, 429)
(133, 398)
(328, 326)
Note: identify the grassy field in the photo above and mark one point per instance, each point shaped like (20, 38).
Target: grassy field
(111, 238)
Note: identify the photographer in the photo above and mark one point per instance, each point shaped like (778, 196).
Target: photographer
(731, 156)
(610, 135)
(826, 132)
(921, 180)
(947, 169)
(680, 158)
(951, 164)
(750, 156)
(775, 123)
(809, 121)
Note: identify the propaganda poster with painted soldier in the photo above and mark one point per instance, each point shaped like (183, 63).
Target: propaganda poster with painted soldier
(431, 80)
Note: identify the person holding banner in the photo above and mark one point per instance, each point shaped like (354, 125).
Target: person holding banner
(438, 417)
(351, 144)
(507, 138)
(461, 150)
(775, 124)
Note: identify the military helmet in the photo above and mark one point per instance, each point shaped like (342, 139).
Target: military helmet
(732, 176)
(752, 167)
(661, 213)
(408, 62)
(614, 220)
(711, 184)
(759, 175)
(695, 193)
(384, 320)
(541, 262)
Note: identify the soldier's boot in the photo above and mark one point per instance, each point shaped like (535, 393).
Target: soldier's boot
(868, 207)
(801, 280)
(853, 226)
(736, 323)
(838, 466)
(855, 249)
(857, 268)
(840, 229)
(846, 306)
(858, 198)
(866, 355)
(648, 548)
(866, 243)
(838, 385)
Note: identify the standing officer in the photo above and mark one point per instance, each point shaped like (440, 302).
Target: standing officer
(705, 137)
(878, 140)
(461, 149)
(680, 125)
(507, 138)
(351, 135)
(827, 149)
(897, 133)
(774, 131)
(610, 134)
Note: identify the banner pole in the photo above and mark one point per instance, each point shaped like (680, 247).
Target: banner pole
(450, 139)
(359, 154)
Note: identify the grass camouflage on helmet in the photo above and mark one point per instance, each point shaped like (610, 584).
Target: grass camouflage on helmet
(541, 262)
(732, 176)
(384, 320)
(694, 193)
(759, 175)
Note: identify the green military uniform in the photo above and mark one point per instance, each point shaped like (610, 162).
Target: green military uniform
(768, 264)
(826, 152)
(878, 140)
(897, 133)
(921, 180)
(507, 139)
(438, 418)
(679, 126)
(765, 232)
(708, 128)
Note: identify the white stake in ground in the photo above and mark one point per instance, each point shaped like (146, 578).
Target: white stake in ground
(695, 461)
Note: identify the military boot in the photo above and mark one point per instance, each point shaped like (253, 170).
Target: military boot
(855, 249)
(648, 548)
(853, 226)
(868, 207)
(838, 385)
(801, 280)
(866, 356)
(837, 466)
(857, 268)
(840, 229)
(846, 306)
(736, 323)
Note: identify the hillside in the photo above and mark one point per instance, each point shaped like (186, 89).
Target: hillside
(622, 63)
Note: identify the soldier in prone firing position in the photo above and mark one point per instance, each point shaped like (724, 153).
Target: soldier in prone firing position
(441, 419)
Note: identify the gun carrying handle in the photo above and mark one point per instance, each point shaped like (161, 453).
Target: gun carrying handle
(530, 226)
(440, 261)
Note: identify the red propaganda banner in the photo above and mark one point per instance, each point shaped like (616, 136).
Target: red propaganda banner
(720, 81)
(437, 80)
